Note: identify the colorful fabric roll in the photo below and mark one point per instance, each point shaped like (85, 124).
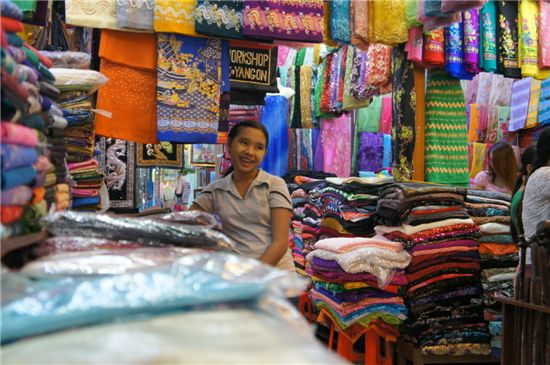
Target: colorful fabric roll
(10, 213)
(414, 46)
(488, 36)
(454, 52)
(19, 195)
(507, 32)
(434, 48)
(446, 131)
(13, 156)
(18, 176)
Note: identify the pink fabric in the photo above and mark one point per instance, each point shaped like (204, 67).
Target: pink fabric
(80, 165)
(544, 34)
(282, 53)
(336, 143)
(386, 115)
(414, 45)
(84, 192)
(345, 244)
(43, 164)
(17, 134)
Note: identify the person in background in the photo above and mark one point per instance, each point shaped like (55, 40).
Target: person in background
(527, 159)
(536, 198)
(254, 206)
(503, 170)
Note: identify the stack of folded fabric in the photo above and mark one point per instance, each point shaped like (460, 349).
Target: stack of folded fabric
(357, 282)
(499, 256)
(444, 288)
(76, 87)
(28, 115)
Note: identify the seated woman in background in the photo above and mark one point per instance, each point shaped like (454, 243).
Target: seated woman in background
(503, 170)
(527, 159)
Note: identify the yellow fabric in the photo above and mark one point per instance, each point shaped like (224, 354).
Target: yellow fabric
(175, 16)
(306, 74)
(474, 123)
(479, 151)
(387, 22)
(533, 111)
(528, 30)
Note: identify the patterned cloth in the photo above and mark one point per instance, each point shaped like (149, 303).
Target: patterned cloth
(533, 109)
(221, 19)
(302, 21)
(520, 103)
(544, 103)
(93, 14)
(175, 16)
(544, 34)
(189, 77)
(488, 33)
(336, 144)
(454, 52)
(370, 154)
(434, 48)
(340, 20)
(507, 32)
(135, 14)
(403, 115)
(529, 40)
(387, 22)
(446, 131)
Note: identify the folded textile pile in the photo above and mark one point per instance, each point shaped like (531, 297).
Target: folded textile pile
(444, 291)
(357, 283)
(76, 104)
(29, 115)
(499, 255)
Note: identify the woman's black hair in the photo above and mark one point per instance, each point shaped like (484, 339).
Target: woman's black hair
(527, 158)
(236, 130)
(543, 150)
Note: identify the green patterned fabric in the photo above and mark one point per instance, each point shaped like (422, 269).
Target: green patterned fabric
(446, 131)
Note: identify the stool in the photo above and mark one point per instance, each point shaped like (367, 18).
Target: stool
(306, 307)
(407, 352)
(373, 354)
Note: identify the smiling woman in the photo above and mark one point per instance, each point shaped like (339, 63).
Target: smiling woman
(254, 206)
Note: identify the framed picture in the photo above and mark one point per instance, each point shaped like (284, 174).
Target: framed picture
(164, 154)
(203, 154)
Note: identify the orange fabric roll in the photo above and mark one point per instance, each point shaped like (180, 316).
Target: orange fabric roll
(497, 249)
(38, 195)
(11, 25)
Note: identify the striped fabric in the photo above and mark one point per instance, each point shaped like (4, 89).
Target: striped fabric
(544, 103)
(519, 107)
(446, 131)
(533, 110)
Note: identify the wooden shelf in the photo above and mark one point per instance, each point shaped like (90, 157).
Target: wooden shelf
(14, 243)
(518, 303)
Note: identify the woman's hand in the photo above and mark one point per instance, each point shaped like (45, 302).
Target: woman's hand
(280, 223)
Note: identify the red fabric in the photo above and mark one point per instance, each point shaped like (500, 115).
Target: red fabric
(434, 48)
(45, 60)
(11, 25)
(451, 265)
(10, 213)
(11, 83)
(3, 38)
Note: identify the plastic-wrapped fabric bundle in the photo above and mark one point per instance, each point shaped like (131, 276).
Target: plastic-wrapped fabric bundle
(193, 217)
(103, 262)
(56, 245)
(148, 231)
(204, 278)
(68, 59)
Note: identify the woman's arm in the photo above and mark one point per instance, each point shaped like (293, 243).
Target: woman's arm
(280, 223)
(195, 206)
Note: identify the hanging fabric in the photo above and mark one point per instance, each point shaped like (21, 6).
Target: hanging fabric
(519, 106)
(479, 152)
(294, 20)
(446, 131)
(135, 14)
(340, 29)
(175, 16)
(387, 22)
(434, 48)
(451, 6)
(410, 13)
(336, 144)
(274, 118)
(544, 34)
(507, 31)
(379, 64)
(327, 37)
(370, 152)
(188, 88)
(473, 125)
(306, 75)
(503, 113)
(93, 14)
(359, 23)
(529, 40)
(386, 115)
(414, 46)
(488, 35)
(533, 109)
(219, 19)
(419, 140)
(492, 124)
(454, 52)
(544, 103)
(128, 57)
(403, 115)
(351, 73)
(471, 40)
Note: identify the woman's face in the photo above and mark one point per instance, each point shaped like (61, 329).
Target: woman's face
(247, 150)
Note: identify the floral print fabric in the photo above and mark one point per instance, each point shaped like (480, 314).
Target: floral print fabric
(336, 143)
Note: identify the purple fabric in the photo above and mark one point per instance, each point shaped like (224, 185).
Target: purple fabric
(46, 103)
(294, 18)
(17, 156)
(519, 108)
(370, 154)
(19, 195)
(354, 296)
(471, 40)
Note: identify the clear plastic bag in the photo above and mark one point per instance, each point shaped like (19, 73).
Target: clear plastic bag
(147, 231)
(103, 262)
(193, 217)
(68, 59)
(212, 277)
(67, 79)
(62, 244)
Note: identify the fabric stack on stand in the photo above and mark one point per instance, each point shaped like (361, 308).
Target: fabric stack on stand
(76, 87)
(357, 283)
(444, 290)
(28, 116)
(499, 256)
